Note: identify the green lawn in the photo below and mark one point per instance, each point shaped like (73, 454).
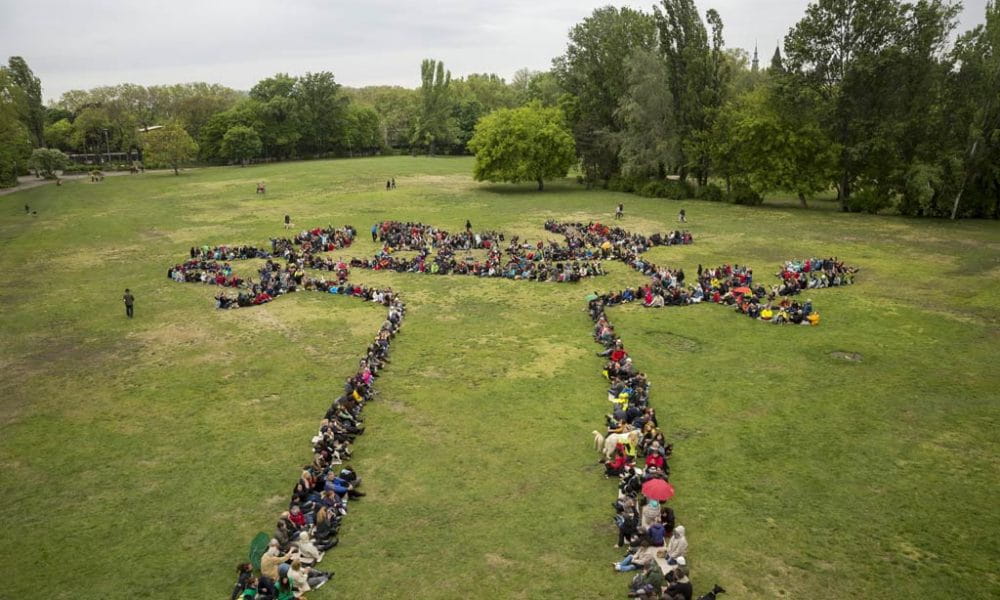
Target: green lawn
(138, 458)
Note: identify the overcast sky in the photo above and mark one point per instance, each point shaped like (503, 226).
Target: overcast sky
(363, 42)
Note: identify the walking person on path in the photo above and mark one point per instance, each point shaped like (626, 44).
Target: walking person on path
(129, 300)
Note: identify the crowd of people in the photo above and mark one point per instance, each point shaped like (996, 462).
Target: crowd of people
(321, 496)
(733, 285)
(504, 258)
(655, 545)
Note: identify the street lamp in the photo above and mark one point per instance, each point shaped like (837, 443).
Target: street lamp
(107, 144)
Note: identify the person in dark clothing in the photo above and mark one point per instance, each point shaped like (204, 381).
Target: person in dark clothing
(26, 209)
(680, 589)
(374, 233)
(716, 590)
(393, 183)
(388, 184)
(468, 225)
(129, 300)
(244, 576)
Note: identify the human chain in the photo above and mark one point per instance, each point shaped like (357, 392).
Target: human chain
(633, 446)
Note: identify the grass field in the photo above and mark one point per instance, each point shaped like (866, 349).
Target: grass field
(138, 458)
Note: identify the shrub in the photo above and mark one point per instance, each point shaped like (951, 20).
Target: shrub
(871, 200)
(745, 195)
(47, 161)
(710, 192)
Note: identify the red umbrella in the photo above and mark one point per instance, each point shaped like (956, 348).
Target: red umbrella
(742, 290)
(657, 489)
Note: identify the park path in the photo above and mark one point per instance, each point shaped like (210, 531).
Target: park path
(26, 182)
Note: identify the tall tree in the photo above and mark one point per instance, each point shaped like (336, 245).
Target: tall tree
(434, 125)
(841, 49)
(15, 140)
(699, 71)
(648, 140)
(241, 143)
(974, 103)
(320, 111)
(593, 70)
(33, 115)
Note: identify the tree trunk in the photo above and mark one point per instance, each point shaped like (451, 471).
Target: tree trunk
(844, 191)
(176, 170)
(965, 181)
(802, 200)
(541, 185)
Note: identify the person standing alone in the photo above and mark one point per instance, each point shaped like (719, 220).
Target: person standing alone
(129, 300)
(619, 211)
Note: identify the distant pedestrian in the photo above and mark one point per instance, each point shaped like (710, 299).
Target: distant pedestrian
(374, 233)
(393, 183)
(682, 217)
(619, 211)
(388, 184)
(288, 222)
(260, 188)
(26, 209)
(468, 225)
(129, 300)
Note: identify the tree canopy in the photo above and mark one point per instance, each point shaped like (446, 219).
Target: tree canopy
(531, 143)
(171, 146)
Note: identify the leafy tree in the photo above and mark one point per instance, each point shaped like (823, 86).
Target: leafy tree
(763, 143)
(320, 112)
(843, 50)
(974, 105)
(88, 129)
(698, 74)
(59, 134)
(15, 140)
(33, 115)
(593, 70)
(241, 143)
(530, 143)
(397, 109)
(47, 161)
(170, 145)
(364, 132)
(648, 140)
(433, 125)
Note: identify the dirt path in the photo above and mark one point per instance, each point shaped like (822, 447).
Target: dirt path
(27, 182)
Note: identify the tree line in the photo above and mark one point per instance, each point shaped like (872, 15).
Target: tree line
(877, 101)
(870, 98)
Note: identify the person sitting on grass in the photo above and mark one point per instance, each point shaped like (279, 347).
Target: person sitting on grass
(618, 463)
(644, 554)
(649, 583)
(678, 544)
(272, 559)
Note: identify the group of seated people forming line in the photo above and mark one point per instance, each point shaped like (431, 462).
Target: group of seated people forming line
(319, 501)
(309, 528)
(733, 285)
(656, 545)
(580, 258)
